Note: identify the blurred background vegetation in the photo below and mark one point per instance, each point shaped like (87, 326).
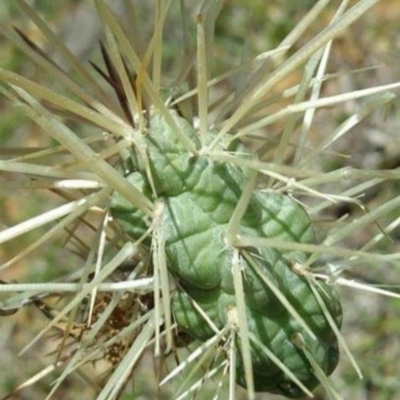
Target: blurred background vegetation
(372, 323)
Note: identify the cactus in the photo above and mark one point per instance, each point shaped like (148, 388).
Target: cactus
(197, 198)
(191, 203)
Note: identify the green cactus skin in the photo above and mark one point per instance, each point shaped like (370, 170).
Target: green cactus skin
(198, 198)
